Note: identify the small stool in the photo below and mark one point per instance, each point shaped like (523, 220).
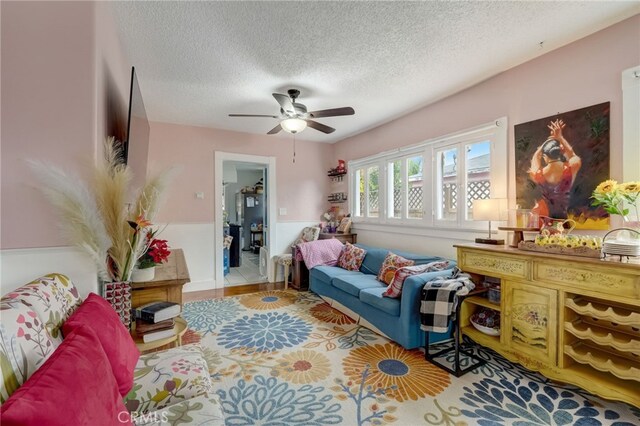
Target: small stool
(285, 260)
(457, 340)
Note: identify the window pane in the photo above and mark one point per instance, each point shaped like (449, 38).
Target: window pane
(373, 201)
(446, 161)
(478, 182)
(359, 198)
(395, 182)
(414, 187)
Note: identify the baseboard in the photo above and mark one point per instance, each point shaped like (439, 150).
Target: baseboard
(198, 286)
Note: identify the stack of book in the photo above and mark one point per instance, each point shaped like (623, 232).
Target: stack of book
(156, 320)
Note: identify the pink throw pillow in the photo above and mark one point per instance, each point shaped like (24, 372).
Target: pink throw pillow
(97, 314)
(74, 386)
(395, 288)
(351, 257)
(391, 264)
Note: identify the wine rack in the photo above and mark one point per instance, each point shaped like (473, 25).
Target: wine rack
(603, 335)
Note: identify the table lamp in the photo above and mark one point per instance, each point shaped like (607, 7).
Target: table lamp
(489, 209)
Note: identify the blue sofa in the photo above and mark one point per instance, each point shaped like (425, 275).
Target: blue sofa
(361, 292)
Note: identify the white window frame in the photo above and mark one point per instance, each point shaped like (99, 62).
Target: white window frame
(495, 132)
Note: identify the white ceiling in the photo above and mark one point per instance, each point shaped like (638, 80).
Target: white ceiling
(199, 61)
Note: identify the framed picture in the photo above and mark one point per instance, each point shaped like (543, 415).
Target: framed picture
(345, 225)
(560, 160)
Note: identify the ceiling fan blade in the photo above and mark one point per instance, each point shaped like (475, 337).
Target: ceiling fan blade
(285, 103)
(319, 126)
(252, 115)
(275, 130)
(333, 112)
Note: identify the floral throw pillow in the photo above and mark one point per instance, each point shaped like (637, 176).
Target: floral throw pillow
(351, 257)
(390, 265)
(395, 288)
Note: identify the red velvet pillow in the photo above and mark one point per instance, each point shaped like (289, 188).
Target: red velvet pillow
(74, 386)
(97, 314)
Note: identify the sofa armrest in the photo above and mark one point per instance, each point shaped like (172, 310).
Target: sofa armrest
(412, 290)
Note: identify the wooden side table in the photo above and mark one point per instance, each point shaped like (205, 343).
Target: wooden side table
(166, 285)
(343, 238)
(179, 328)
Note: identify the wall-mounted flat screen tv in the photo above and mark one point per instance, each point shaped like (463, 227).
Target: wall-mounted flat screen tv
(136, 146)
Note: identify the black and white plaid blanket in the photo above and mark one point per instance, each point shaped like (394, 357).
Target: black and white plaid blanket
(440, 299)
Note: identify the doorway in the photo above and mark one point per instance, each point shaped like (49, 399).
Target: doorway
(244, 211)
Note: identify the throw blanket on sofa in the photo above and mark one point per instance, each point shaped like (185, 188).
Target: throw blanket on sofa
(440, 300)
(321, 252)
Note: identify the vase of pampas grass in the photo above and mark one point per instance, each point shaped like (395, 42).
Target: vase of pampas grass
(99, 218)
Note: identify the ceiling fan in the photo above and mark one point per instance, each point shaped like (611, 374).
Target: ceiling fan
(294, 117)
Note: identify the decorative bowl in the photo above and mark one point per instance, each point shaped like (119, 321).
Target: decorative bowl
(486, 330)
(486, 321)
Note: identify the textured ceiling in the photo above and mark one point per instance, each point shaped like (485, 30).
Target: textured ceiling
(199, 61)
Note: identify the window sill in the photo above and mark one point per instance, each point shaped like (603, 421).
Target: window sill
(422, 230)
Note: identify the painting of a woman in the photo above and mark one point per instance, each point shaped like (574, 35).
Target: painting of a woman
(554, 167)
(560, 159)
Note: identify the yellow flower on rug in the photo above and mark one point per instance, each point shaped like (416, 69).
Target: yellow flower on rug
(302, 367)
(326, 313)
(268, 300)
(406, 374)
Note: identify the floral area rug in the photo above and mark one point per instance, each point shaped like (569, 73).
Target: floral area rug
(288, 358)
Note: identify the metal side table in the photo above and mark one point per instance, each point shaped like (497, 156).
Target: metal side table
(457, 347)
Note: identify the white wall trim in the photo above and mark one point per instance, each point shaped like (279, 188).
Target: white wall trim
(631, 124)
(21, 266)
(270, 164)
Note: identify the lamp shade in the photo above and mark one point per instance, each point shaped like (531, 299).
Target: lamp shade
(293, 125)
(489, 209)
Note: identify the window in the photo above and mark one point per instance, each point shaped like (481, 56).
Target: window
(366, 188)
(373, 192)
(432, 184)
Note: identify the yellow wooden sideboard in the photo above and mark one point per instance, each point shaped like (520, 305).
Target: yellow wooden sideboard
(573, 319)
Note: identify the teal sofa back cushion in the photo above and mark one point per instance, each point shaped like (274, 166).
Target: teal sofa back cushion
(375, 256)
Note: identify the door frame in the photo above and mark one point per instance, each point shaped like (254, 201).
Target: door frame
(270, 164)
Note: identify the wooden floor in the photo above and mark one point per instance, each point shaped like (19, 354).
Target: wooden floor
(193, 296)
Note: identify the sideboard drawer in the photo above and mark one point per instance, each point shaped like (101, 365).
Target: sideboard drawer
(492, 264)
(598, 280)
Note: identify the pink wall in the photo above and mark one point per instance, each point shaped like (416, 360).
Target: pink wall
(47, 109)
(301, 187)
(580, 74)
(55, 58)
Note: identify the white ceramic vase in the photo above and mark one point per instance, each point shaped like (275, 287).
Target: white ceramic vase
(143, 275)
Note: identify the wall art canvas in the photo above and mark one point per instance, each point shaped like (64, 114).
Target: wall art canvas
(560, 160)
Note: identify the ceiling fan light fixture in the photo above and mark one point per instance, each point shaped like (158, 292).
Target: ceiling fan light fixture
(293, 125)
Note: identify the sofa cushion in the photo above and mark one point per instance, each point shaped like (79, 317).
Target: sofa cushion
(97, 314)
(374, 297)
(351, 257)
(25, 345)
(395, 288)
(53, 297)
(75, 386)
(353, 284)
(390, 265)
(373, 260)
(164, 378)
(328, 273)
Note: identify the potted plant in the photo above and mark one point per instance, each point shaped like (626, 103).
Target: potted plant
(100, 219)
(156, 252)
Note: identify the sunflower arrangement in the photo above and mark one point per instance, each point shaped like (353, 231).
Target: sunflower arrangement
(99, 217)
(618, 198)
